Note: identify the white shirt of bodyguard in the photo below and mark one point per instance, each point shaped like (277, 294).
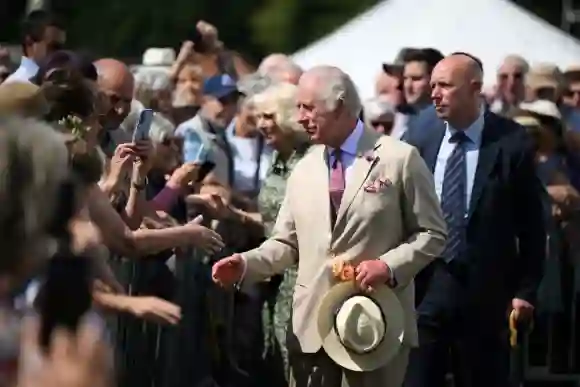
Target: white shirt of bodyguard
(27, 69)
(473, 133)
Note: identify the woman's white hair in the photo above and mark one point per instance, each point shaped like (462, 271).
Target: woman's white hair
(33, 164)
(280, 100)
(128, 124)
(337, 87)
(161, 129)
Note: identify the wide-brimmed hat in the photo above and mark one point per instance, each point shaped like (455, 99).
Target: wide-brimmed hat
(542, 107)
(545, 76)
(23, 99)
(361, 331)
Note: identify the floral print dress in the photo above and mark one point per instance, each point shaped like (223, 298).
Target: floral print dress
(269, 202)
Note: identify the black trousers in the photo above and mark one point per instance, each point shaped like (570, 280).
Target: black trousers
(476, 359)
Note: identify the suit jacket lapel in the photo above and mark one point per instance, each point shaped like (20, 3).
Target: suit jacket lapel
(488, 152)
(363, 163)
(430, 148)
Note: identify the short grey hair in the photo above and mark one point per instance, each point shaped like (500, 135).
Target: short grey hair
(337, 87)
(34, 164)
(280, 68)
(272, 61)
(128, 124)
(376, 107)
(253, 84)
(161, 127)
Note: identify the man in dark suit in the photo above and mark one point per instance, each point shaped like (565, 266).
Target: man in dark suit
(491, 198)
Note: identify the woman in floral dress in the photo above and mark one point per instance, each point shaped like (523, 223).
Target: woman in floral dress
(276, 118)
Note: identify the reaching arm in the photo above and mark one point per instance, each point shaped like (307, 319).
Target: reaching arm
(279, 251)
(423, 222)
(120, 239)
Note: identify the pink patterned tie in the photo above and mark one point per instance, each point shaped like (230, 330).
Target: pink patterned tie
(337, 182)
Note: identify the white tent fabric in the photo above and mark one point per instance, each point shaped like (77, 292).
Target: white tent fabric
(488, 29)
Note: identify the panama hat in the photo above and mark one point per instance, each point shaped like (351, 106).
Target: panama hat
(361, 331)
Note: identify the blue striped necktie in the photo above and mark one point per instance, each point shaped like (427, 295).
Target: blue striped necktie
(453, 197)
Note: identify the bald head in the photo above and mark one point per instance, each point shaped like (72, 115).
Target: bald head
(114, 74)
(456, 89)
(117, 83)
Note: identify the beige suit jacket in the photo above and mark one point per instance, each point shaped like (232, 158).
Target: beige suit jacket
(402, 225)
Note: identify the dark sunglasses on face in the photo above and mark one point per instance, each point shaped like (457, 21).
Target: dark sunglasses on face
(515, 76)
(572, 93)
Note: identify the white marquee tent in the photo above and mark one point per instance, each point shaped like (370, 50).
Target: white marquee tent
(489, 29)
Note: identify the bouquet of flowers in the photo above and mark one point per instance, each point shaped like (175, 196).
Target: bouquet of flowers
(74, 126)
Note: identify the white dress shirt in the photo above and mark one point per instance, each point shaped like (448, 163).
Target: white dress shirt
(472, 146)
(27, 69)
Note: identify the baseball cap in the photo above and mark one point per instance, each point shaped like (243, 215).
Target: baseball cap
(219, 86)
(396, 67)
(572, 73)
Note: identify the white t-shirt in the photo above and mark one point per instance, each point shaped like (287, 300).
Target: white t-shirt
(247, 160)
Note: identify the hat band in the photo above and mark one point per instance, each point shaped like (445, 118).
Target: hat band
(350, 348)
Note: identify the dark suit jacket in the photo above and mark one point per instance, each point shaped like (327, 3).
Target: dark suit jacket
(419, 120)
(506, 236)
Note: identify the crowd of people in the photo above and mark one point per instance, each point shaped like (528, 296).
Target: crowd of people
(449, 210)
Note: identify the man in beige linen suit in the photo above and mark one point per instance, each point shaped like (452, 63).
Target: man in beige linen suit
(387, 223)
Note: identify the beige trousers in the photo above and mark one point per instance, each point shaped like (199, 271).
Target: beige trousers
(318, 370)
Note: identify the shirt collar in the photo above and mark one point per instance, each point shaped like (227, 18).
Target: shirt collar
(473, 131)
(350, 145)
(29, 65)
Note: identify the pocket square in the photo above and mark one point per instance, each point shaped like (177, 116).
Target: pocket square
(377, 185)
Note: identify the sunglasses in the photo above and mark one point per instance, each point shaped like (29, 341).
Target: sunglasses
(572, 93)
(515, 76)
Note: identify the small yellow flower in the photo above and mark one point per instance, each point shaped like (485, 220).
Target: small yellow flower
(343, 271)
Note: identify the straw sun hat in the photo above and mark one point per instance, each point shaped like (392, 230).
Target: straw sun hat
(360, 331)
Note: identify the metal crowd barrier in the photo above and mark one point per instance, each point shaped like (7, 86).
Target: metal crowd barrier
(187, 355)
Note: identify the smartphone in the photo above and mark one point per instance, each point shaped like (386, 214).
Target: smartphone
(65, 296)
(194, 150)
(143, 126)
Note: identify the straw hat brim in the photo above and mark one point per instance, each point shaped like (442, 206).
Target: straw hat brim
(394, 333)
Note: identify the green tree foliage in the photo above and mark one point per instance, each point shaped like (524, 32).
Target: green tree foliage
(125, 28)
